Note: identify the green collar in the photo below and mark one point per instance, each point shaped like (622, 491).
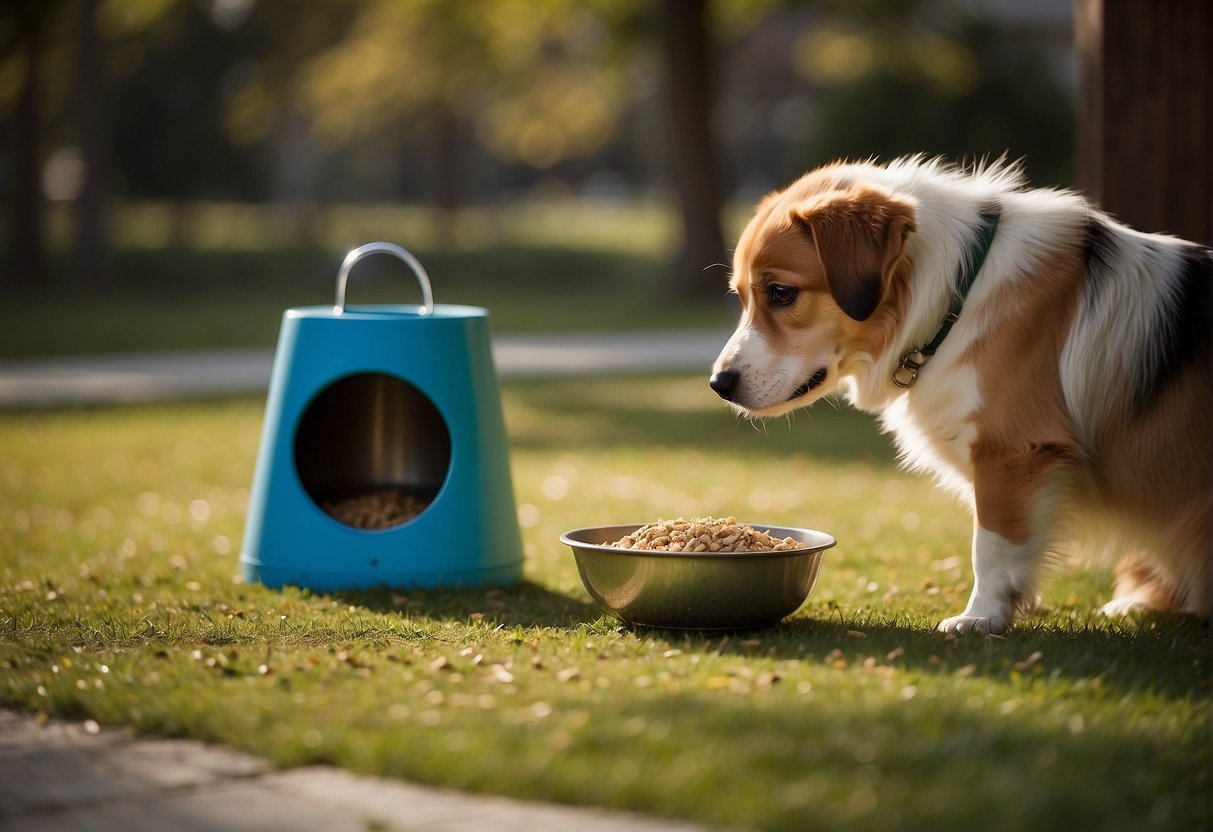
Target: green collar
(913, 360)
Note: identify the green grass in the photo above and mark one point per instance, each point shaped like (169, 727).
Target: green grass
(120, 601)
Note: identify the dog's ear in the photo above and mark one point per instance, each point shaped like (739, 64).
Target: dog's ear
(860, 235)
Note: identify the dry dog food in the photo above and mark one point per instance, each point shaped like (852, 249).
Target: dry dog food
(704, 534)
(377, 510)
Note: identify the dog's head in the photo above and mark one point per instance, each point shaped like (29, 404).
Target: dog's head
(820, 270)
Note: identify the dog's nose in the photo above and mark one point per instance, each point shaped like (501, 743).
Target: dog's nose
(724, 382)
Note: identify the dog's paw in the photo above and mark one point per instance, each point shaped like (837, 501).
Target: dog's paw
(958, 624)
(1120, 607)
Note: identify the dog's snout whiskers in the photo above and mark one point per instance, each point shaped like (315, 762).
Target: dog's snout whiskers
(814, 381)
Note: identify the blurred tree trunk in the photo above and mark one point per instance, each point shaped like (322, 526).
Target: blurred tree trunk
(26, 264)
(1145, 112)
(91, 255)
(692, 152)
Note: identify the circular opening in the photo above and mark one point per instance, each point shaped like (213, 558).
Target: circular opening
(372, 451)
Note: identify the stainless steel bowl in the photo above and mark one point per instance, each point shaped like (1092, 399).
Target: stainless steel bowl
(700, 591)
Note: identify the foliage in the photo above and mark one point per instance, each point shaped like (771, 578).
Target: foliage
(344, 99)
(917, 79)
(119, 602)
(538, 79)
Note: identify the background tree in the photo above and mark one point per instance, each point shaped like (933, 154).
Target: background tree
(691, 148)
(933, 77)
(91, 255)
(532, 82)
(23, 23)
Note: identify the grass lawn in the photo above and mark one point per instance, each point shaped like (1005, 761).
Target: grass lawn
(121, 601)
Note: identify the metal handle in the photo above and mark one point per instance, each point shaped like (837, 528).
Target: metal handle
(427, 294)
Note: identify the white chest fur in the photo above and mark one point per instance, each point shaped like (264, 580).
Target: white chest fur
(933, 427)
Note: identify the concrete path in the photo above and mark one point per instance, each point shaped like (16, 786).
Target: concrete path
(133, 377)
(66, 777)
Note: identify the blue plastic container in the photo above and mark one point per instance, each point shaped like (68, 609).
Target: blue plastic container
(378, 399)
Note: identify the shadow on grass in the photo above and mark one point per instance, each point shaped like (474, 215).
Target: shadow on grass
(525, 604)
(1160, 653)
(1165, 654)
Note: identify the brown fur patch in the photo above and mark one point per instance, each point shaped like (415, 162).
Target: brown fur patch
(859, 234)
(826, 241)
(772, 225)
(1025, 438)
(1137, 579)
(1156, 468)
(1162, 457)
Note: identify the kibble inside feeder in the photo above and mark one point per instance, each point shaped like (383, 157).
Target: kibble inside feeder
(383, 456)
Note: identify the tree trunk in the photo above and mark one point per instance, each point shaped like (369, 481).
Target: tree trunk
(91, 255)
(692, 151)
(1145, 117)
(26, 265)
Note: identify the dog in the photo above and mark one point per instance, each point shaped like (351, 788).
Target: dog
(1045, 362)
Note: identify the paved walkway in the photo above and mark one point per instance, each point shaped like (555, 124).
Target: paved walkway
(132, 377)
(66, 777)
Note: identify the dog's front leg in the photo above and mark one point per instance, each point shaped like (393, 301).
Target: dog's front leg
(1015, 499)
(1002, 573)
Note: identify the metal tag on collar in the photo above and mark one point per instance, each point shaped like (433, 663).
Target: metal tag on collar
(912, 360)
(907, 372)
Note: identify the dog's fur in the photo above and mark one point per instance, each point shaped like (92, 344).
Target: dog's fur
(1072, 400)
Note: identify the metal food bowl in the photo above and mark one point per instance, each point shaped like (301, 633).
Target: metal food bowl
(697, 591)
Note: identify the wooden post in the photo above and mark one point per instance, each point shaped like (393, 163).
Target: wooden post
(1145, 112)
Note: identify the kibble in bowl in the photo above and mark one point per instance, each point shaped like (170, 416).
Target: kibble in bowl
(667, 574)
(705, 534)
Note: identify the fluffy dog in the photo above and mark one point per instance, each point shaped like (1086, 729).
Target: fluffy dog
(1045, 362)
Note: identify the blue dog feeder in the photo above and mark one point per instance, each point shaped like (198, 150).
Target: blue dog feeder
(383, 405)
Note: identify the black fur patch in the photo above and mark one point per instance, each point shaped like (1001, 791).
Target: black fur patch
(1099, 252)
(994, 206)
(1187, 333)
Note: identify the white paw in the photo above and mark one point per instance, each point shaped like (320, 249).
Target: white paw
(974, 624)
(1119, 607)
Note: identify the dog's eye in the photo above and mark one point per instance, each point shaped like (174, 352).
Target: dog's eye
(781, 295)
